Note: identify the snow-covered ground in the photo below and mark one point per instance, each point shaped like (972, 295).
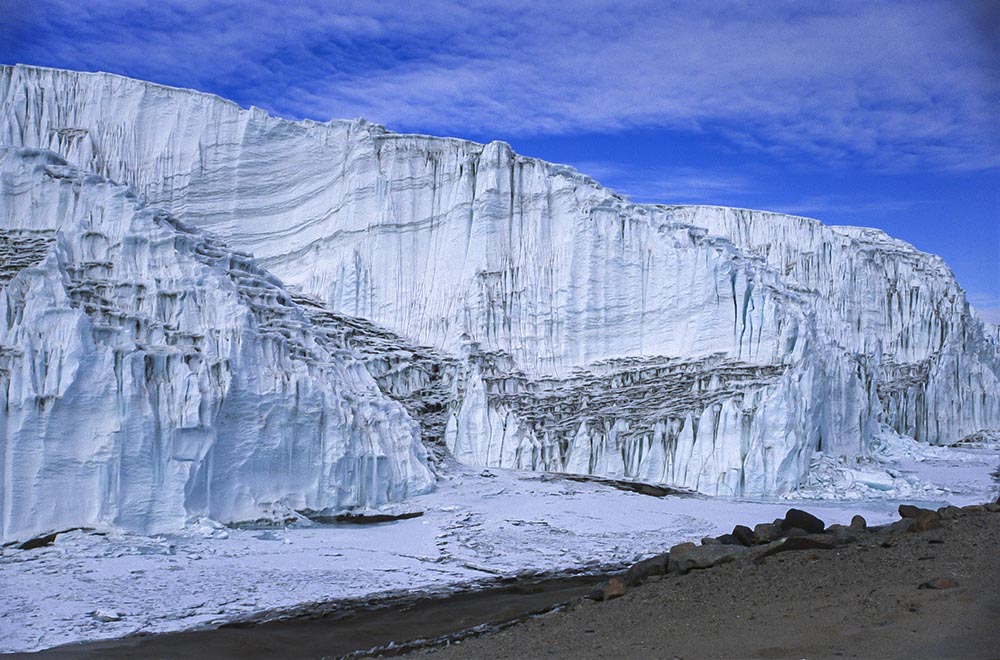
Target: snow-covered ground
(477, 526)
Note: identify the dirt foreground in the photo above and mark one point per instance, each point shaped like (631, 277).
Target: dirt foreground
(860, 600)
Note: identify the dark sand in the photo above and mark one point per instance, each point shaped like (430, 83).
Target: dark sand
(338, 633)
(856, 601)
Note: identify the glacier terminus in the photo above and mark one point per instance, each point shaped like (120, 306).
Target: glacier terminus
(207, 311)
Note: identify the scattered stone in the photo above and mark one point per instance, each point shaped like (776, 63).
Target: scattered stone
(802, 520)
(948, 512)
(744, 535)
(614, 588)
(106, 616)
(925, 520)
(767, 532)
(646, 568)
(797, 543)
(728, 539)
(859, 523)
(39, 541)
(842, 534)
(939, 583)
(688, 556)
(370, 518)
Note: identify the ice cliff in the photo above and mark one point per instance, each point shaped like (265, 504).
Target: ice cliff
(150, 374)
(565, 327)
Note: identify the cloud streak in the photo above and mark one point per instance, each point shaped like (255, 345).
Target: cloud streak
(891, 86)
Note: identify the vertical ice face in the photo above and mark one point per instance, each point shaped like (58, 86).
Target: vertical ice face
(149, 374)
(709, 348)
(939, 365)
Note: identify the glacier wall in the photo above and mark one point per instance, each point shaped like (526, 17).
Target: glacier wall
(566, 328)
(939, 365)
(150, 374)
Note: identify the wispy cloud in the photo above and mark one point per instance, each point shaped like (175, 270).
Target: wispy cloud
(895, 86)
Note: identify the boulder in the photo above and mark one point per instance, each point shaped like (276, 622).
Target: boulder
(797, 543)
(792, 532)
(841, 534)
(923, 520)
(974, 508)
(688, 556)
(901, 526)
(614, 588)
(992, 507)
(728, 539)
(744, 535)
(949, 511)
(802, 520)
(710, 540)
(767, 532)
(859, 523)
(638, 572)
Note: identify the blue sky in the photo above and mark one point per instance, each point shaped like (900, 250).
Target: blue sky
(873, 113)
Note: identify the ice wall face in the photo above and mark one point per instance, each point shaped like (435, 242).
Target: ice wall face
(569, 329)
(939, 365)
(150, 374)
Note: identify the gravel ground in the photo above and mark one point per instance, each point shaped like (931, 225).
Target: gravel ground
(855, 601)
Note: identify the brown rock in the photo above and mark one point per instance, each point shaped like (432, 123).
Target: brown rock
(797, 543)
(802, 520)
(656, 565)
(949, 511)
(614, 588)
(974, 508)
(859, 523)
(792, 532)
(744, 535)
(688, 556)
(939, 583)
(926, 520)
(767, 532)
(993, 507)
(901, 526)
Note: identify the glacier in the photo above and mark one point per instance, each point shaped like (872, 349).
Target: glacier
(150, 374)
(521, 315)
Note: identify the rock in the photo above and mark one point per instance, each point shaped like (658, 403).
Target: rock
(924, 520)
(859, 523)
(901, 526)
(767, 532)
(910, 511)
(710, 540)
(797, 543)
(992, 507)
(974, 508)
(792, 532)
(638, 572)
(939, 583)
(802, 520)
(728, 539)
(744, 535)
(841, 534)
(949, 511)
(597, 593)
(39, 541)
(614, 588)
(106, 616)
(688, 556)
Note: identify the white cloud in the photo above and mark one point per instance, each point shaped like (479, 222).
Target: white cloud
(896, 86)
